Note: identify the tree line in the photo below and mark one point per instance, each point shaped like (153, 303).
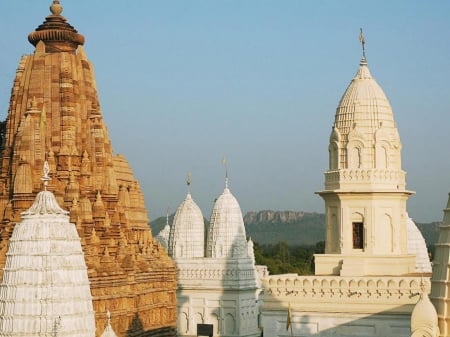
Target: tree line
(281, 258)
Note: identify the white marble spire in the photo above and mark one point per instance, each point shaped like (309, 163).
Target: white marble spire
(187, 233)
(163, 235)
(226, 235)
(45, 288)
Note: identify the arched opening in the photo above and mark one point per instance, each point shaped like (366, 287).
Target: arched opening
(334, 156)
(358, 233)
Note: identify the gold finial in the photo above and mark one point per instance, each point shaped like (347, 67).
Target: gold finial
(363, 42)
(56, 8)
(45, 178)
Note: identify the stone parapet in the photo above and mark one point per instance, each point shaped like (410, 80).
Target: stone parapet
(376, 178)
(350, 294)
(239, 274)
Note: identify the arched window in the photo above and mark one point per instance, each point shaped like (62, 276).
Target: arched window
(355, 157)
(334, 156)
(358, 237)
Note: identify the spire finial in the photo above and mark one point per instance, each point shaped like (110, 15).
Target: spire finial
(363, 42)
(188, 182)
(167, 216)
(56, 8)
(224, 163)
(45, 178)
(108, 318)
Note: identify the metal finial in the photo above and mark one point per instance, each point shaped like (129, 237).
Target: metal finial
(363, 42)
(224, 163)
(45, 178)
(188, 181)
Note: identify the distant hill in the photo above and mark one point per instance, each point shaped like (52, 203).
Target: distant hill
(296, 228)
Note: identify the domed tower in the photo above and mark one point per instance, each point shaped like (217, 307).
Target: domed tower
(45, 288)
(365, 191)
(54, 114)
(226, 234)
(187, 234)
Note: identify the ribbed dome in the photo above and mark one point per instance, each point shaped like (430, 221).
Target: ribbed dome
(417, 246)
(187, 234)
(424, 319)
(226, 235)
(56, 33)
(364, 104)
(364, 134)
(45, 282)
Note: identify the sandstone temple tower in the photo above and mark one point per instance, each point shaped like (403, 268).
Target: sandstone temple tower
(54, 115)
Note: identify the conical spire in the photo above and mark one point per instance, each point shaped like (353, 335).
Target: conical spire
(186, 239)
(46, 262)
(56, 33)
(164, 234)
(226, 235)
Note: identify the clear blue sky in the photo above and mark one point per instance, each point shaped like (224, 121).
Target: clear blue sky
(183, 83)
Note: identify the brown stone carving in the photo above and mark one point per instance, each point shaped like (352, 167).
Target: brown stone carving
(54, 115)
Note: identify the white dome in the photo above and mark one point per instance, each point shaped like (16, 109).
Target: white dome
(187, 234)
(363, 103)
(364, 133)
(226, 235)
(45, 283)
(418, 247)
